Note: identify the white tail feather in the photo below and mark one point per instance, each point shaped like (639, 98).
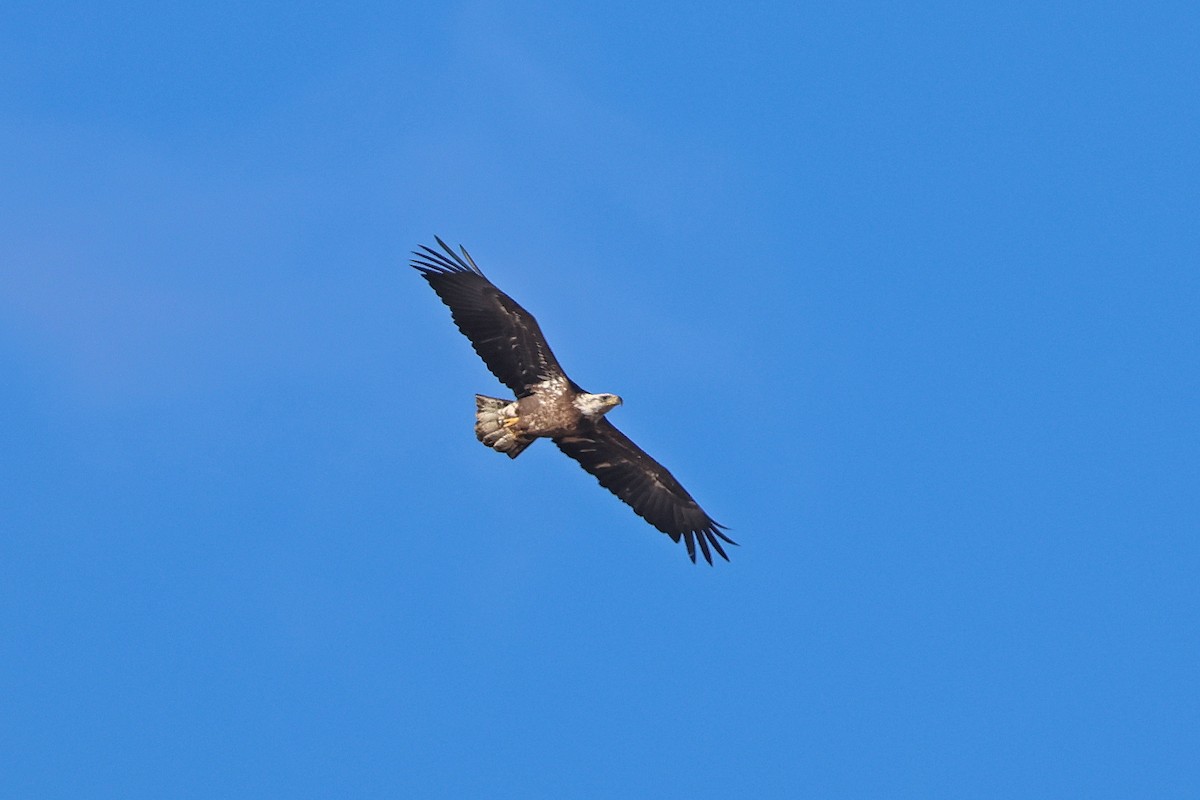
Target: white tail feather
(490, 415)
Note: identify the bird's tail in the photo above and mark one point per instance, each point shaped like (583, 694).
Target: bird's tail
(490, 416)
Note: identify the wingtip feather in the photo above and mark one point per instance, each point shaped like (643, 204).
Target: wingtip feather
(704, 547)
(690, 540)
(430, 262)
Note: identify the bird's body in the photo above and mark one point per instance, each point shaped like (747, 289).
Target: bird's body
(550, 405)
(552, 408)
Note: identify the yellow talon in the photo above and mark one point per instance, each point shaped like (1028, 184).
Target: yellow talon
(511, 422)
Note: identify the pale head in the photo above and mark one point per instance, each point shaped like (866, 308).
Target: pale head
(596, 405)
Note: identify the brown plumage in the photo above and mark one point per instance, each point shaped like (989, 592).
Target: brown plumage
(550, 405)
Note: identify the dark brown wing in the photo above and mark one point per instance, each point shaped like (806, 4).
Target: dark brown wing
(645, 486)
(505, 336)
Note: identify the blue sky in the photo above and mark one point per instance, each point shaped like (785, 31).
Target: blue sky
(906, 295)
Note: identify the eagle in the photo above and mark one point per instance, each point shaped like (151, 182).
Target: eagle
(550, 405)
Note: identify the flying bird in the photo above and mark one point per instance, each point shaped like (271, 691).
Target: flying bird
(550, 405)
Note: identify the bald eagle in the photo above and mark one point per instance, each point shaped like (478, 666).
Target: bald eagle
(550, 405)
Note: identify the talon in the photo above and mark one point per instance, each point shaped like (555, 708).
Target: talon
(511, 422)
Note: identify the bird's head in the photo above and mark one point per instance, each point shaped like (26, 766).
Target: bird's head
(597, 405)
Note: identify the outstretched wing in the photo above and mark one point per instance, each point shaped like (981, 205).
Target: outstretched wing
(645, 486)
(504, 335)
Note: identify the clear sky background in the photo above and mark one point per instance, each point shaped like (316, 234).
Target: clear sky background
(904, 293)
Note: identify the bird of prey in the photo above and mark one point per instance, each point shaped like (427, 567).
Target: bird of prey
(550, 405)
